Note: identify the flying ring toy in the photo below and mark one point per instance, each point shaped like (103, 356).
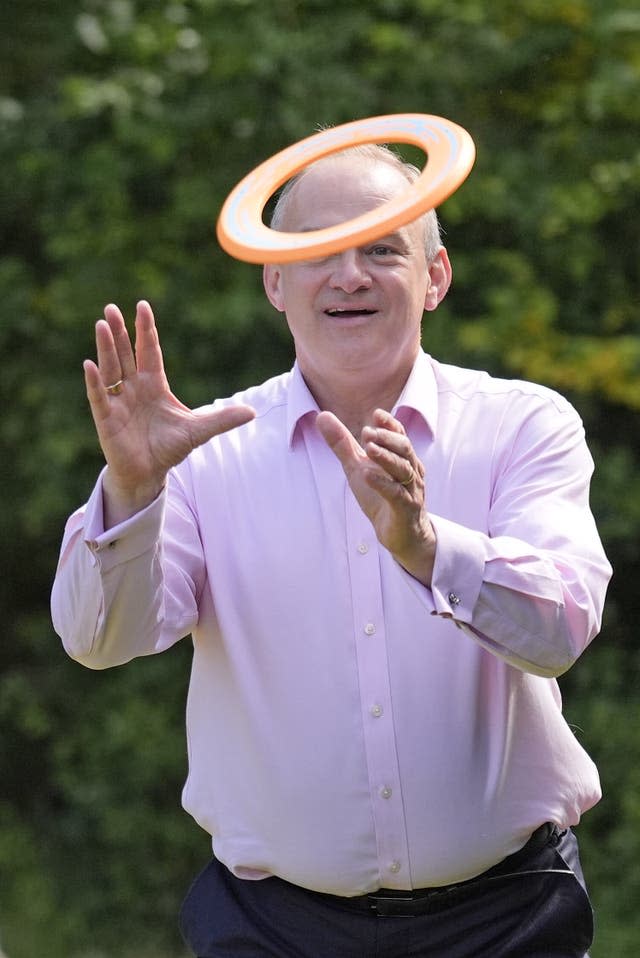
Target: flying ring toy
(450, 155)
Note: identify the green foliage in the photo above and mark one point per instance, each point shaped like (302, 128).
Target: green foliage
(123, 125)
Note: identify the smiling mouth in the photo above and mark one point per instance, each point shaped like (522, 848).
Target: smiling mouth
(349, 313)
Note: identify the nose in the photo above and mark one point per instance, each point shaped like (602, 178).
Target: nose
(350, 271)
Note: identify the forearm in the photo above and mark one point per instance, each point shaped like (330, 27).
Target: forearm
(77, 600)
(540, 636)
(535, 608)
(109, 599)
(105, 619)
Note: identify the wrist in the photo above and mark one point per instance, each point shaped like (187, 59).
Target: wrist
(123, 502)
(419, 559)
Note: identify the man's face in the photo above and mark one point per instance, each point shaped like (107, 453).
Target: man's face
(359, 310)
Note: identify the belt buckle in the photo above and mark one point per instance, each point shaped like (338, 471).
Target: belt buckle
(391, 906)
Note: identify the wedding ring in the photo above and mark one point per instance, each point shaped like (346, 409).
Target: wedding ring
(115, 388)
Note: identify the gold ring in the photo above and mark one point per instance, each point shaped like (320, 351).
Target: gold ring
(406, 482)
(115, 388)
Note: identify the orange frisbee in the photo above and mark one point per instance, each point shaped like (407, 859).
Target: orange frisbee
(450, 155)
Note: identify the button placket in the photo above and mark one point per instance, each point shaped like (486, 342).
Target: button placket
(375, 694)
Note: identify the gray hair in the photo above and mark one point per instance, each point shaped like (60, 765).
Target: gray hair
(372, 152)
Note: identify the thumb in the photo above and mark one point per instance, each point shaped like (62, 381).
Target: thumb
(207, 423)
(339, 439)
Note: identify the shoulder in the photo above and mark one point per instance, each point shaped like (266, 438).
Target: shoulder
(271, 395)
(472, 385)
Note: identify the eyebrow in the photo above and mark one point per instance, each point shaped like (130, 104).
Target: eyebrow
(397, 237)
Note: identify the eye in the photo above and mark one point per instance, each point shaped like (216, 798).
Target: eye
(380, 250)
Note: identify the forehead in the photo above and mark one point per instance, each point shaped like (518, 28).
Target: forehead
(338, 188)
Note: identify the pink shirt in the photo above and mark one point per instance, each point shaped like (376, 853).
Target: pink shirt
(349, 728)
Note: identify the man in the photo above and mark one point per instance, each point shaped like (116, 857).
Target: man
(384, 562)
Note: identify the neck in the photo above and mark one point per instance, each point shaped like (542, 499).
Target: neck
(354, 401)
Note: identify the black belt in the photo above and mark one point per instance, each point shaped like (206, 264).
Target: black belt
(394, 903)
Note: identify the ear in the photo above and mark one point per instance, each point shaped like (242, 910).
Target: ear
(440, 274)
(272, 281)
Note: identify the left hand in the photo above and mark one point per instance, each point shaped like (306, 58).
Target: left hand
(388, 480)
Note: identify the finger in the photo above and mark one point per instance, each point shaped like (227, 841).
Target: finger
(384, 419)
(148, 351)
(397, 443)
(121, 340)
(96, 391)
(402, 446)
(402, 463)
(108, 359)
(397, 467)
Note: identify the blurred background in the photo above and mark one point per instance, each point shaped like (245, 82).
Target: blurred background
(123, 126)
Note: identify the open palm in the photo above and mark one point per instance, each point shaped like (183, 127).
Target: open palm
(143, 428)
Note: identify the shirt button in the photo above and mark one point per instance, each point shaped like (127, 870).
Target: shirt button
(386, 792)
(363, 548)
(369, 628)
(395, 867)
(453, 598)
(376, 711)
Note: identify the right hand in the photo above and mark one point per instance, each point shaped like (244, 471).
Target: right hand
(144, 429)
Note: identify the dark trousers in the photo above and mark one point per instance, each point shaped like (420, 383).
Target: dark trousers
(537, 909)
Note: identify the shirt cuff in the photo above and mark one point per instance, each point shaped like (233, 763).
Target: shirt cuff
(127, 539)
(458, 570)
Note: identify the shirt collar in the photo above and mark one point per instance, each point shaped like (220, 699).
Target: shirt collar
(420, 394)
(300, 402)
